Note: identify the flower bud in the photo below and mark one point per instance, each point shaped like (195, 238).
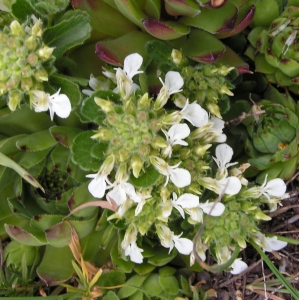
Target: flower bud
(106, 106)
(31, 43)
(130, 107)
(144, 151)
(37, 28)
(136, 165)
(159, 142)
(112, 119)
(178, 57)
(122, 173)
(214, 109)
(179, 100)
(200, 150)
(3, 88)
(241, 242)
(107, 165)
(17, 29)
(26, 84)
(32, 59)
(14, 101)
(223, 70)
(45, 52)
(165, 193)
(123, 155)
(103, 134)
(259, 215)
(162, 99)
(26, 71)
(225, 90)
(41, 75)
(144, 101)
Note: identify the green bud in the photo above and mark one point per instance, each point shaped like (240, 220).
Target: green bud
(241, 242)
(155, 125)
(123, 155)
(165, 193)
(32, 59)
(122, 173)
(259, 215)
(143, 128)
(214, 109)
(103, 134)
(45, 52)
(26, 84)
(144, 101)
(13, 43)
(41, 75)
(144, 151)
(201, 150)
(14, 101)
(31, 43)
(247, 206)
(223, 70)
(128, 119)
(224, 90)
(3, 88)
(13, 82)
(26, 71)
(107, 165)
(142, 115)
(147, 138)
(37, 28)
(17, 29)
(136, 165)
(130, 107)
(106, 106)
(112, 118)
(4, 75)
(159, 142)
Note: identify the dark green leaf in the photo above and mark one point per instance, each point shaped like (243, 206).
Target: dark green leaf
(146, 179)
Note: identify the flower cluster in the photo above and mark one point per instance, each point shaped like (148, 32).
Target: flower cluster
(25, 60)
(158, 167)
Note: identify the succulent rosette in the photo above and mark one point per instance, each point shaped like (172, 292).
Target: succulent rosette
(272, 143)
(274, 49)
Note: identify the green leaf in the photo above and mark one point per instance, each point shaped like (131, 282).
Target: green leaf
(112, 278)
(125, 266)
(21, 9)
(110, 296)
(81, 152)
(169, 284)
(265, 12)
(159, 51)
(84, 227)
(147, 179)
(162, 257)
(32, 238)
(64, 135)
(152, 286)
(43, 222)
(200, 46)
(166, 271)
(51, 7)
(72, 31)
(28, 159)
(56, 265)
(126, 291)
(59, 235)
(7, 162)
(36, 141)
(144, 268)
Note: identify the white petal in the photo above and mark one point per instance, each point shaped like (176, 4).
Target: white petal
(230, 185)
(132, 64)
(218, 123)
(275, 187)
(183, 245)
(118, 194)
(97, 186)
(187, 201)
(224, 154)
(273, 244)
(180, 177)
(139, 207)
(217, 210)
(178, 132)
(61, 105)
(238, 266)
(174, 81)
(196, 115)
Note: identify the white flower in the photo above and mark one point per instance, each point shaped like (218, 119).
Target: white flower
(180, 177)
(229, 185)
(125, 85)
(98, 185)
(183, 202)
(134, 252)
(274, 188)
(269, 244)
(121, 190)
(58, 104)
(195, 114)
(238, 266)
(141, 200)
(224, 154)
(173, 83)
(130, 246)
(216, 130)
(169, 240)
(196, 213)
(175, 136)
(96, 85)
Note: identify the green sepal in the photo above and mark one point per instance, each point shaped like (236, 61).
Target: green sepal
(72, 31)
(56, 265)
